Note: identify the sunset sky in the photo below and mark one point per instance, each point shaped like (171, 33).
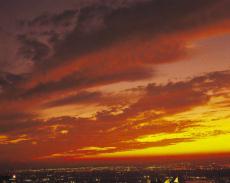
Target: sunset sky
(104, 79)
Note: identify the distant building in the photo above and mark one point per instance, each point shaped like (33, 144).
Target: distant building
(8, 179)
(176, 180)
(172, 180)
(5, 179)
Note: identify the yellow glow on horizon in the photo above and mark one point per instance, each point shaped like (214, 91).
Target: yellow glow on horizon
(163, 136)
(207, 145)
(211, 135)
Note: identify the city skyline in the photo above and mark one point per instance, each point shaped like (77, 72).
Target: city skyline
(94, 80)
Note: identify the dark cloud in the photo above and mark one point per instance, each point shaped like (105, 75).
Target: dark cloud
(144, 20)
(63, 19)
(33, 49)
(7, 79)
(8, 83)
(15, 116)
(87, 78)
(18, 123)
(22, 127)
(10, 62)
(116, 25)
(149, 20)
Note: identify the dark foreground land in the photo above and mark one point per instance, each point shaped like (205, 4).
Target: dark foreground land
(120, 174)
